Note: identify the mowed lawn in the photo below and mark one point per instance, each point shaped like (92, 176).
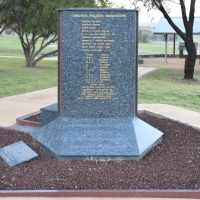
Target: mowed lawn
(15, 78)
(11, 45)
(154, 48)
(167, 86)
(159, 47)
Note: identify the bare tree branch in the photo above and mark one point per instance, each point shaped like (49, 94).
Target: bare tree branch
(32, 42)
(27, 40)
(191, 14)
(45, 55)
(11, 27)
(22, 41)
(174, 2)
(37, 38)
(33, 45)
(2, 30)
(42, 43)
(184, 15)
(20, 33)
(176, 28)
(54, 39)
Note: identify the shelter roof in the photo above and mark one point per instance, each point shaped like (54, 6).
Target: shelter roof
(164, 27)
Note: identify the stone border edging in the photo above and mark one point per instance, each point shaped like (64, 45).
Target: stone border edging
(163, 55)
(22, 120)
(195, 194)
(154, 114)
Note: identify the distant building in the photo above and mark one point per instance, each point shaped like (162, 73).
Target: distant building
(148, 28)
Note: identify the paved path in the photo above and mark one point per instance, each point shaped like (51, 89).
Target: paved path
(22, 104)
(144, 70)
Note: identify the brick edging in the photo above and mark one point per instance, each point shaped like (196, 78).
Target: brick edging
(195, 194)
(22, 120)
(162, 116)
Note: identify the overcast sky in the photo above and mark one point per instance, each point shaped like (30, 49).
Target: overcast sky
(154, 16)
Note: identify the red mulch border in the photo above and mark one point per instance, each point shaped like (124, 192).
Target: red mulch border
(190, 194)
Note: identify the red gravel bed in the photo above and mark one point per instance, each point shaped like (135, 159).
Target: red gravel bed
(173, 164)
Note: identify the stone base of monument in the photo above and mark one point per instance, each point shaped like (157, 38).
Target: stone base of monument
(98, 139)
(49, 113)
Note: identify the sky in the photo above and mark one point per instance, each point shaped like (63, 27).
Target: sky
(152, 17)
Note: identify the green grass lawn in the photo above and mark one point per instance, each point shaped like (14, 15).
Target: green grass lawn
(159, 47)
(154, 48)
(11, 44)
(13, 54)
(15, 78)
(167, 86)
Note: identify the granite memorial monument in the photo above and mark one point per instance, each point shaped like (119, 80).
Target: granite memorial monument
(95, 117)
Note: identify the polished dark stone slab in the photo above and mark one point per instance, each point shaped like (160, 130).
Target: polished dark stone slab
(23, 128)
(99, 139)
(48, 113)
(17, 153)
(81, 69)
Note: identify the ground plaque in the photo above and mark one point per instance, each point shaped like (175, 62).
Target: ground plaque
(17, 153)
(97, 98)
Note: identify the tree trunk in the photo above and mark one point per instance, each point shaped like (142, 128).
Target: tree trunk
(190, 59)
(30, 62)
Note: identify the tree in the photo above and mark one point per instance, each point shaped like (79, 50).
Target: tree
(35, 22)
(143, 36)
(2, 29)
(2, 26)
(187, 36)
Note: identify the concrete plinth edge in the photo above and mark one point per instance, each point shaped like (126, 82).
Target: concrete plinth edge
(22, 120)
(194, 194)
(165, 117)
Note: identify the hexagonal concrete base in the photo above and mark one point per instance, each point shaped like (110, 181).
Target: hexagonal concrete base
(98, 139)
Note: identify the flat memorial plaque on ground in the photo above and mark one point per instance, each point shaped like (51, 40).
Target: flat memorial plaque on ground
(17, 153)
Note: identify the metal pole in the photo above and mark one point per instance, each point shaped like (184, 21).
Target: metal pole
(165, 48)
(174, 50)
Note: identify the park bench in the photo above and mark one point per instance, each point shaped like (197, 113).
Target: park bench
(140, 60)
(182, 47)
